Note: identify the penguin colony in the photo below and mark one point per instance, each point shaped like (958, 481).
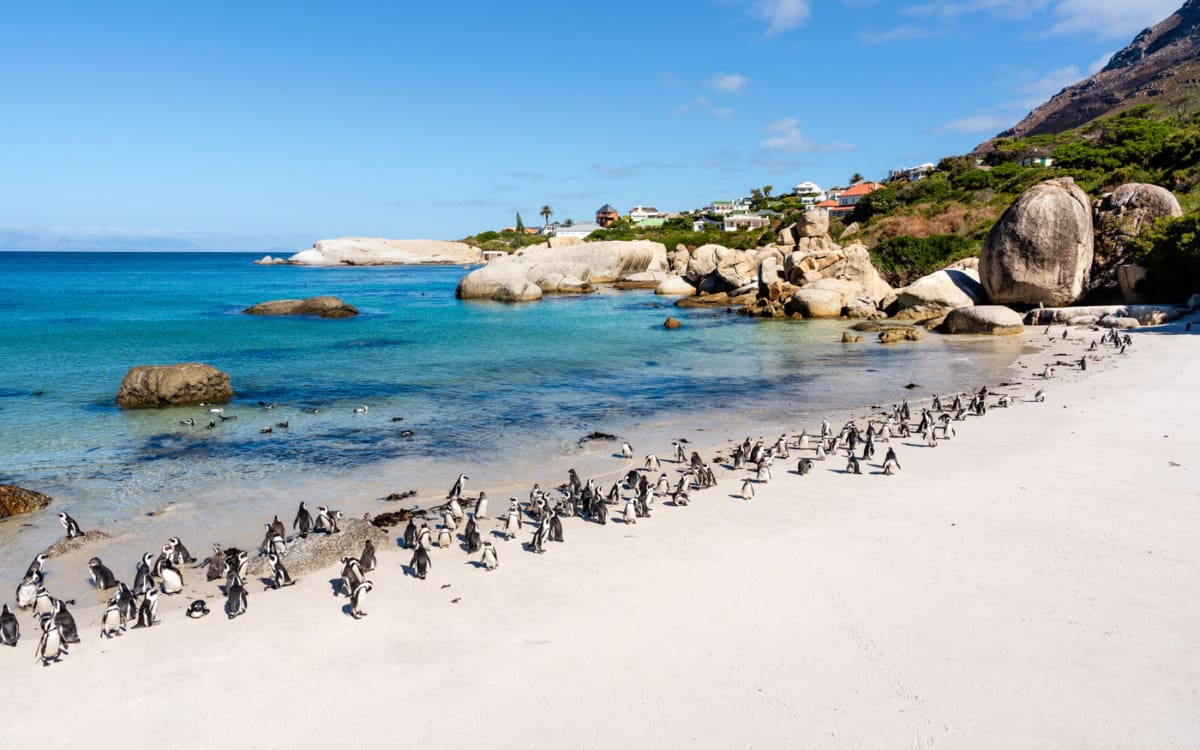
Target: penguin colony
(632, 497)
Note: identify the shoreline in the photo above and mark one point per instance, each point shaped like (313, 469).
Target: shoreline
(888, 611)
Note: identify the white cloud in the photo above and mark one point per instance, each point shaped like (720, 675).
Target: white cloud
(721, 113)
(898, 34)
(1103, 19)
(1037, 91)
(782, 15)
(976, 124)
(784, 135)
(728, 83)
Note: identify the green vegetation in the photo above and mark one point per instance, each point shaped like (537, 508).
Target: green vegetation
(1170, 251)
(679, 232)
(903, 260)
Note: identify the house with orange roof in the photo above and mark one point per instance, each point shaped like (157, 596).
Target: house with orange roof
(850, 198)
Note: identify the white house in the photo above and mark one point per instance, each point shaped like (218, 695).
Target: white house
(912, 174)
(745, 221)
(809, 193)
(580, 230)
(725, 208)
(641, 213)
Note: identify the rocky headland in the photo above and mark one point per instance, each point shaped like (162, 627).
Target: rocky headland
(366, 251)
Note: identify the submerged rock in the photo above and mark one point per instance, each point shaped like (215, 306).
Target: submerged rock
(171, 385)
(323, 307)
(894, 335)
(16, 501)
(672, 323)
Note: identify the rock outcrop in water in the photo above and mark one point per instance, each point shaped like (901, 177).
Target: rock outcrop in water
(366, 251)
(575, 268)
(15, 501)
(322, 307)
(174, 385)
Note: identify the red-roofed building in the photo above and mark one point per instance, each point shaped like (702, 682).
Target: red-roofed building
(847, 200)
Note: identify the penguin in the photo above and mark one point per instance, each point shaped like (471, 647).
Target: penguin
(127, 602)
(652, 463)
(490, 558)
(890, 464)
(539, 536)
(276, 527)
(456, 489)
(481, 506)
(267, 430)
(930, 437)
(748, 489)
(556, 529)
(102, 577)
(35, 567)
(826, 429)
(410, 533)
(626, 450)
(197, 609)
(1040, 396)
(474, 541)
(216, 564)
(279, 574)
(179, 553)
(425, 538)
(275, 544)
(630, 514)
(804, 466)
(352, 575)
(681, 498)
(763, 473)
(1083, 363)
(445, 538)
(326, 520)
(44, 604)
(367, 558)
(358, 598)
(235, 599)
(27, 592)
(163, 556)
(303, 521)
(70, 525)
(820, 450)
(802, 441)
(420, 563)
(852, 466)
(449, 522)
(1048, 372)
(600, 511)
(456, 511)
(144, 579)
(680, 455)
(512, 521)
(50, 647)
(147, 614)
(1004, 401)
(112, 622)
(172, 579)
(189, 422)
(66, 623)
(10, 629)
(235, 567)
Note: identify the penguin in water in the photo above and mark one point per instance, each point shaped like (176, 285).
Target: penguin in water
(748, 489)
(490, 558)
(481, 506)
(179, 553)
(367, 558)
(102, 577)
(456, 489)
(27, 591)
(70, 525)
(197, 609)
(112, 622)
(303, 521)
(216, 564)
(352, 575)
(147, 614)
(50, 646)
(410, 533)
(10, 629)
(853, 466)
(66, 623)
(172, 579)
(279, 574)
(358, 598)
(890, 464)
(235, 599)
(420, 563)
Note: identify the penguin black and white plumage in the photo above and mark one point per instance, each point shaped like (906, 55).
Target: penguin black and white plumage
(143, 581)
(171, 578)
(556, 529)
(454, 508)
(630, 514)
(197, 609)
(474, 541)
(763, 471)
(43, 603)
(50, 646)
(410, 533)
(420, 563)
(512, 521)
(70, 525)
(490, 558)
(352, 575)
(179, 553)
(27, 591)
(112, 622)
(652, 463)
(303, 521)
(804, 466)
(326, 521)
(1040, 396)
(216, 564)
(10, 629)
(277, 527)
(538, 539)
(127, 602)
(626, 450)
(449, 521)
(748, 489)
(66, 622)
(358, 598)
(457, 488)
(445, 538)
(680, 455)
(164, 556)
(481, 506)
(147, 614)
(890, 464)
(367, 558)
(279, 574)
(425, 537)
(236, 599)
(853, 466)
(35, 567)
(600, 511)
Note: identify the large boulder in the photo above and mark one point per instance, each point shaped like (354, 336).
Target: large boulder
(509, 278)
(1119, 217)
(323, 307)
(317, 551)
(674, 285)
(701, 262)
(816, 303)
(171, 385)
(813, 223)
(1147, 315)
(994, 320)
(937, 294)
(370, 251)
(1040, 251)
(15, 501)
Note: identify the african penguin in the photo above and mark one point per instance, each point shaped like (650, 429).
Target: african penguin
(10, 629)
(358, 598)
(235, 599)
(70, 525)
(490, 559)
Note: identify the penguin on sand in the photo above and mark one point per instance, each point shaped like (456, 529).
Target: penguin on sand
(804, 466)
(481, 506)
(66, 623)
(512, 521)
(358, 598)
(147, 614)
(630, 514)
(50, 646)
(474, 541)
(27, 591)
(890, 464)
(367, 558)
(102, 577)
(748, 489)
(216, 564)
(352, 575)
(410, 533)
(236, 599)
(279, 574)
(197, 609)
(112, 622)
(172, 579)
(420, 563)
(10, 629)
(457, 488)
(490, 559)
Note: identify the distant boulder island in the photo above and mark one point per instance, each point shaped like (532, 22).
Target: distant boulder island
(366, 251)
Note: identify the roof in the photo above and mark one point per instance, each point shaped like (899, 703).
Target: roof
(862, 188)
(607, 209)
(827, 204)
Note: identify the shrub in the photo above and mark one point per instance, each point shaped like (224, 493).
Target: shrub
(1170, 251)
(905, 259)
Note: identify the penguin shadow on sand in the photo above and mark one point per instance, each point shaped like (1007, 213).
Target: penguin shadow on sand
(477, 564)
(348, 610)
(497, 533)
(335, 585)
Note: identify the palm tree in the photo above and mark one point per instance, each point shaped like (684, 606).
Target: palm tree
(766, 190)
(546, 213)
(856, 178)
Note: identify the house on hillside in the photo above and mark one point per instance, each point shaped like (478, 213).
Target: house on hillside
(1037, 161)
(809, 193)
(745, 221)
(912, 174)
(579, 231)
(606, 215)
(850, 198)
(641, 213)
(725, 208)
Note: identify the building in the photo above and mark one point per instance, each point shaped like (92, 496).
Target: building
(579, 231)
(745, 221)
(809, 193)
(641, 213)
(1037, 161)
(606, 215)
(912, 174)
(725, 208)
(850, 198)
(490, 255)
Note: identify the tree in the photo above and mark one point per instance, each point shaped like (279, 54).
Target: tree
(766, 190)
(520, 224)
(546, 213)
(856, 178)
(755, 194)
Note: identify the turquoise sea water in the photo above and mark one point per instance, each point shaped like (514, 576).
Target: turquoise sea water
(468, 378)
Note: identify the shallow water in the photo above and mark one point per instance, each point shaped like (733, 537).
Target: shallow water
(476, 382)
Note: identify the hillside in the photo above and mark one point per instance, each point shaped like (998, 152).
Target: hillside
(1160, 66)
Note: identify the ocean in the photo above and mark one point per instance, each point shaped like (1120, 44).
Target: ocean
(474, 382)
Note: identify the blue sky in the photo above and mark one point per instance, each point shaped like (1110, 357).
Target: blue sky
(267, 126)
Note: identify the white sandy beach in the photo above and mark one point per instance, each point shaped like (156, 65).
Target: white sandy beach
(1033, 583)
